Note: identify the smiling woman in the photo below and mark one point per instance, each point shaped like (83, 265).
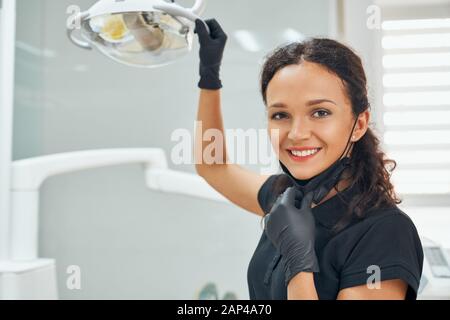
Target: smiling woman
(317, 101)
(331, 216)
(315, 109)
(321, 87)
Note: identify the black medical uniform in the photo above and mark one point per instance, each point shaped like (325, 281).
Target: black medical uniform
(386, 238)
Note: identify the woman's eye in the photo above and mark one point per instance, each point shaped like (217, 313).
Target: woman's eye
(277, 116)
(322, 111)
(282, 115)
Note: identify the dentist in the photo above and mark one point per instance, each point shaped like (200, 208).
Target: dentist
(332, 228)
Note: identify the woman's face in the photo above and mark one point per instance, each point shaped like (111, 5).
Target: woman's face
(309, 107)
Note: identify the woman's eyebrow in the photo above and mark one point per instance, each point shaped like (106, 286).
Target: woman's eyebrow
(317, 101)
(278, 105)
(309, 103)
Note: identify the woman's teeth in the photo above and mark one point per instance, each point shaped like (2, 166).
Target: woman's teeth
(304, 153)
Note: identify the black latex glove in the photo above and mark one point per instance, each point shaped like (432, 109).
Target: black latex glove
(212, 46)
(292, 231)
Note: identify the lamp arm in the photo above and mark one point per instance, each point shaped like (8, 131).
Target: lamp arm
(199, 7)
(29, 174)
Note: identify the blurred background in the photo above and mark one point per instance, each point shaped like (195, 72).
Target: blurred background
(134, 243)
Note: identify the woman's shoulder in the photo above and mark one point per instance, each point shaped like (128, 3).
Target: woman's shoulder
(384, 223)
(389, 215)
(386, 237)
(387, 240)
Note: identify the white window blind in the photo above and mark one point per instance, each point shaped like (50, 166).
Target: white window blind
(416, 102)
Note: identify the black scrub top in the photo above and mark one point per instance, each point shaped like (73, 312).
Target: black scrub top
(386, 238)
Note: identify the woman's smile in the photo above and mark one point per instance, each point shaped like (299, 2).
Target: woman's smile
(304, 155)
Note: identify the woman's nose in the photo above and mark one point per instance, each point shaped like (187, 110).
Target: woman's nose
(299, 130)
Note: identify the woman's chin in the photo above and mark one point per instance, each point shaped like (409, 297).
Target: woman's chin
(301, 174)
(302, 177)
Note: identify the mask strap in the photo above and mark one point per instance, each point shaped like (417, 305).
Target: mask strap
(348, 145)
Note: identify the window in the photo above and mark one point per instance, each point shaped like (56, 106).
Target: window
(415, 52)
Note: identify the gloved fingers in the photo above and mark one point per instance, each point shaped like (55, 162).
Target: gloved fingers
(215, 29)
(307, 201)
(289, 196)
(200, 30)
(298, 198)
(275, 204)
(299, 193)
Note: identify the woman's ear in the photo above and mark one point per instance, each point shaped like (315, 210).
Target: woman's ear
(361, 126)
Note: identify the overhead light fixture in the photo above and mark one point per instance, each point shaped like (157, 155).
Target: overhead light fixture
(141, 33)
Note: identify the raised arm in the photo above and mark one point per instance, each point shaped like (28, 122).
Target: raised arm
(234, 182)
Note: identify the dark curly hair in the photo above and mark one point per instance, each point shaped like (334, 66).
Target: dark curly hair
(370, 169)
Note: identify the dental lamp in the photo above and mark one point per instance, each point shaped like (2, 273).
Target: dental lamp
(140, 33)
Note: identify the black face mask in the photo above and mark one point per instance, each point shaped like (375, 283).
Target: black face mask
(322, 183)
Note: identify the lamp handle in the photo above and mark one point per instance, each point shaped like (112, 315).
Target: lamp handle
(71, 28)
(179, 11)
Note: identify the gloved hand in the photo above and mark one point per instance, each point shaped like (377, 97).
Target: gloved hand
(292, 231)
(212, 46)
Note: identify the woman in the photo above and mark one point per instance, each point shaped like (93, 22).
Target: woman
(332, 228)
